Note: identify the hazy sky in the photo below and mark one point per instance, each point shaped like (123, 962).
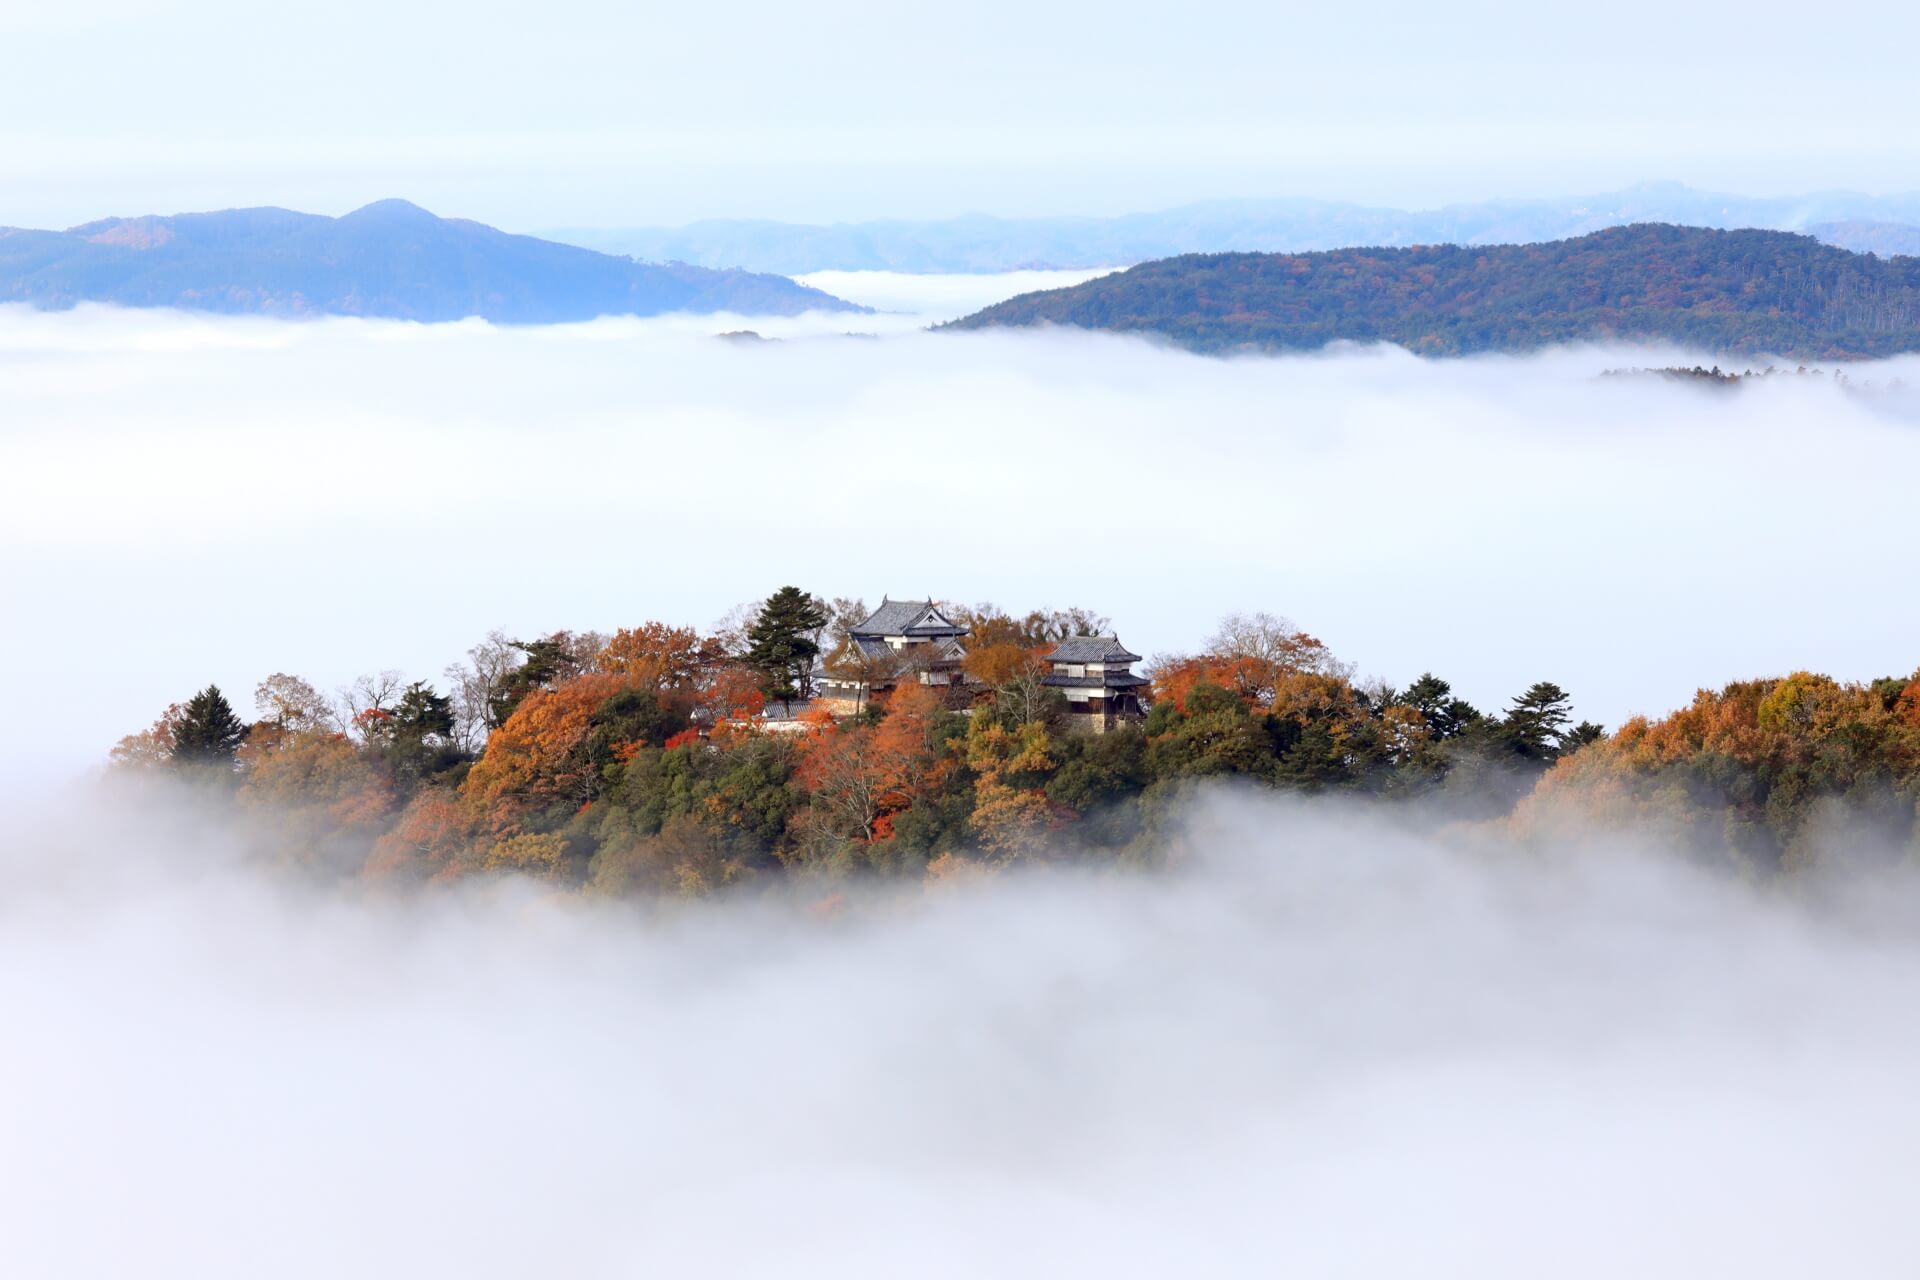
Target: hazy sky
(606, 112)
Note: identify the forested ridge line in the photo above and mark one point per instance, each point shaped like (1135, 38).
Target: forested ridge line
(644, 762)
(1738, 292)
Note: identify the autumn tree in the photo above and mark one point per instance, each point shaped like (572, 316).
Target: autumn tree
(1011, 812)
(326, 800)
(546, 663)
(368, 700)
(1273, 642)
(537, 855)
(289, 704)
(988, 625)
(858, 774)
(729, 692)
(654, 655)
(1248, 655)
(1783, 775)
(433, 838)
(538, 758)
(152, 747)
(1016, 672)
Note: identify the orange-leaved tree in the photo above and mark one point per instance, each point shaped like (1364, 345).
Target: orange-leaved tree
(537, 758)
(1016, 672)
(326, 798)
(435, 837)
(655, 655)
(856, 774)
(1767, 774)
(1011, 812)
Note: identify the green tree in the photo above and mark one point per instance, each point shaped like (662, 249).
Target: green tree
(417, 735)
(550, 660)
(782, 643)
(1538, 721)
(1446, 715)
(1581, 734)
(208, 732)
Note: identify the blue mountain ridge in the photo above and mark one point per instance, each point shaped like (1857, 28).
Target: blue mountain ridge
(390, 259)
(979, 243)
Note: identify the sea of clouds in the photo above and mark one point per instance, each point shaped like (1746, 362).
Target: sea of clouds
(1323, 1043)
(189, 499)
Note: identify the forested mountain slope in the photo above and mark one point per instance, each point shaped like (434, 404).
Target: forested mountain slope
(390, 259)
(1741, 292)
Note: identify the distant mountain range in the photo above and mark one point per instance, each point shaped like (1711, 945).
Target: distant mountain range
(1882, 239)
(390, 259)
(1877, 224)
(1734, 292)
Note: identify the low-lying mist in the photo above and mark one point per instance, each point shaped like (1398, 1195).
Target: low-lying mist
(1321, 1041)
(188, 499)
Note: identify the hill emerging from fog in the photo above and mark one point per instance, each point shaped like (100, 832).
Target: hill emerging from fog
(1740, 292)
(391, 259)
(979, 243)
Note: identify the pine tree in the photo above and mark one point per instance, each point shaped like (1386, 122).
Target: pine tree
(550, 660)
(418, 734)
(1538, 720)
(1446, 715)
(209, 732)
(1580, 735)
(782, 643)
(421, 714)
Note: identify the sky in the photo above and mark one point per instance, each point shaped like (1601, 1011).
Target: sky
(601, 112)
(193, 499)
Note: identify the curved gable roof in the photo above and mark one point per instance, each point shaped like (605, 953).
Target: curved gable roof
(907, 618)
(1092, 649)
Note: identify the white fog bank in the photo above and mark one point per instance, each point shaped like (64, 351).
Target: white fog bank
(1322, 1046)
(932, 299)
(188, 499)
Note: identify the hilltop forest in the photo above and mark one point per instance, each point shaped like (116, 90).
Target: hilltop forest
(645, 762)
(1739, 292)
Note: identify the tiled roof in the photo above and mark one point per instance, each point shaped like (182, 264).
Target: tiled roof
(1091, 649)
(904, 618)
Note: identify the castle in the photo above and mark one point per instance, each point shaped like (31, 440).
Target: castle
(912, 640)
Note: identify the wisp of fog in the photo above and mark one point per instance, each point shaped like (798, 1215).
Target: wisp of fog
(1320, 1042)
